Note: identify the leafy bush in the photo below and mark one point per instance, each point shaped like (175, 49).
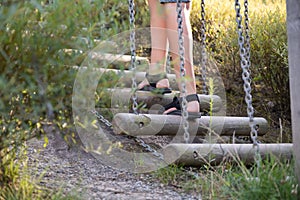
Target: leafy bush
(36, 75)
(269, 67)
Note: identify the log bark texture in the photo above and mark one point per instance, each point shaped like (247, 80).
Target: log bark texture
(122, 98)
(214, 154)
(116, 61)
(125, 76)
(171, 125)
(293, 30)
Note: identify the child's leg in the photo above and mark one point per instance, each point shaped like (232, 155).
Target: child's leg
(158, 37)
(158, 43)
(172, 27)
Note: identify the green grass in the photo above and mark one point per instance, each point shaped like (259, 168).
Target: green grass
(273, 179)
(269, 59)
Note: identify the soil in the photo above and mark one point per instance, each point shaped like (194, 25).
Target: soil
(72, 171)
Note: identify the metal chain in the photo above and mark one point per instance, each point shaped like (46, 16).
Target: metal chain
(245, 65)
(134, 84)
(203, 47)
(101, 118)
(185, 114)
(148, 148)
(247, 34)
(139, 141)
(133, 56)
(254, 133)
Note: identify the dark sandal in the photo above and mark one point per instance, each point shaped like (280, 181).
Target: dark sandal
(153, 79)
(176, 103)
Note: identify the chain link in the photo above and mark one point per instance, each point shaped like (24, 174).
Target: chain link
(185, 114)
(101, 118)
(134, 84)
(139, 141)
(245, 65)
(133, 56)
(247, 35)
(148, 148)
(203, 47)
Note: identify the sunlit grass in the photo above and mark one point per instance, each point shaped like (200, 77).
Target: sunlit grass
(269, 60)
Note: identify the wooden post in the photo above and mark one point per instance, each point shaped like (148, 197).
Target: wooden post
(293, 30)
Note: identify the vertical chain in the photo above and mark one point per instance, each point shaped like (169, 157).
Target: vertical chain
(185, 114)
(247, 34)
(133, 55)
(245, 65)
(203, 47)
(254, 133)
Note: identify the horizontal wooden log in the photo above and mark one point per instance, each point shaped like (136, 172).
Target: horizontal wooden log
(214, 154)
(112, 61)
(122, 97)
(125, 76)
(116, 61)
(171, 125)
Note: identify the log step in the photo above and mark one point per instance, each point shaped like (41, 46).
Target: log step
(122, 97)
(171, 125)
(125, 76)
(116, 61)
(113, 61)
(203, 154)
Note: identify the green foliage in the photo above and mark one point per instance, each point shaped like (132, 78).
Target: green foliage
(269, 58)
(36, 80)
(20, 186)
(170, 175)
(273, 179)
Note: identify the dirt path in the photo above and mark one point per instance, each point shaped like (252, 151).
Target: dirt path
(78, 173)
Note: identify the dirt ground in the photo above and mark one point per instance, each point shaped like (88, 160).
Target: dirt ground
(75, 172)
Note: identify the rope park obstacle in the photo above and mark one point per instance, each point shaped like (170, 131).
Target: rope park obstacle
(183, 130)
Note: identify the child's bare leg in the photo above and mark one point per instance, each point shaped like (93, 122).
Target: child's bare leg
(158, 43)
(172, 27)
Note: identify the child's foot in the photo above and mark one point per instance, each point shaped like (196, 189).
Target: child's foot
(193, 106)
(157, 83)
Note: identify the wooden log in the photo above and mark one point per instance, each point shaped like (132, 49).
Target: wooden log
(122, 97)
(116, 61)
(293, 30)
(125, 76)
(171, 125)
(214, 154)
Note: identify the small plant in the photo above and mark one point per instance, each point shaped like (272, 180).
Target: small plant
(170, 175)
(270, 180)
